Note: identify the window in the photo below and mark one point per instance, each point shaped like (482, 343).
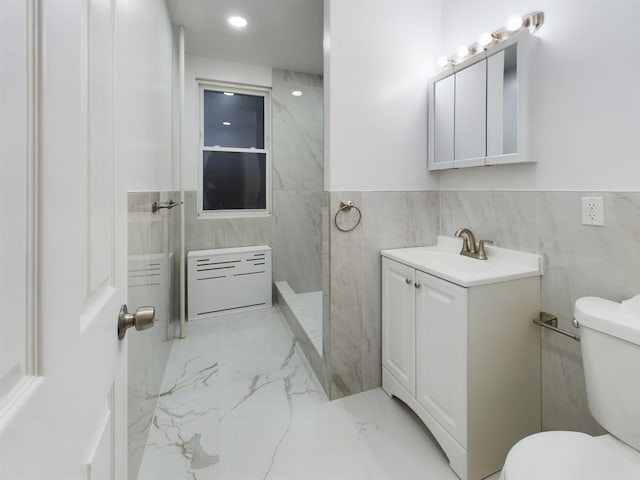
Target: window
(235, 177)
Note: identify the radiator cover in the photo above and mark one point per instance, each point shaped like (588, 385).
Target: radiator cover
(225, 280)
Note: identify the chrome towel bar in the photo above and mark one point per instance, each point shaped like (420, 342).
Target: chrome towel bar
(550, 321)
(155, 206)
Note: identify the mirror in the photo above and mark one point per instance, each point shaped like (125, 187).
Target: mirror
(502, 102)
(470, 115)
(478, 109)
(444, 91)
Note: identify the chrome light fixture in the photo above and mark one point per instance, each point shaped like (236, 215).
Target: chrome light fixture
(531, 21)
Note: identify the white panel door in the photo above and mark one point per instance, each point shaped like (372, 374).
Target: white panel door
(63, 408)
(441, 363)
(398, 323)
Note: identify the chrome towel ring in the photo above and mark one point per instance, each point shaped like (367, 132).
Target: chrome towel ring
(345, 207)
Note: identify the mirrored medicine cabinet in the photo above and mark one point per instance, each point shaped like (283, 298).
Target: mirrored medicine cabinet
(478, 109)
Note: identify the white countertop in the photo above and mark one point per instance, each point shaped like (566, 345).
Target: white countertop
(443, 260)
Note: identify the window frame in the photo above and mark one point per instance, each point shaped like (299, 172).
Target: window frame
(204, 85)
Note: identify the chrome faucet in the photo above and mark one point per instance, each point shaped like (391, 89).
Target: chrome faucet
(469, 248)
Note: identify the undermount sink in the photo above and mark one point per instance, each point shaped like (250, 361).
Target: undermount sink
(444, 260)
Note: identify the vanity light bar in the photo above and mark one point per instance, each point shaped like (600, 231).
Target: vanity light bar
(532, 21)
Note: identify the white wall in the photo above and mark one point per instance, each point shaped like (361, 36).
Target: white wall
(585, 101)
(145, 121)
(382, 54)
(214, 70)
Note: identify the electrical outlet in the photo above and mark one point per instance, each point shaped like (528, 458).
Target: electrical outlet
(593, 211)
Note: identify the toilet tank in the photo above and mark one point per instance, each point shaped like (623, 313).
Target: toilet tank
(610, 345)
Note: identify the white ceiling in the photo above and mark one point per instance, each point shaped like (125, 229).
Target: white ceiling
(283, 34)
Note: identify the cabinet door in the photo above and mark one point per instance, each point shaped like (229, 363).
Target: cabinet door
(441, 363)
(507, 104)
(398, 323)
(470, 115)
(443, 134)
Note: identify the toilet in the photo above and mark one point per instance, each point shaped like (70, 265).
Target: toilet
(610, 334)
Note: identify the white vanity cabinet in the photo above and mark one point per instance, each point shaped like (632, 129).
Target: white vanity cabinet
(441, 355)
(465, 359)
(398, 334)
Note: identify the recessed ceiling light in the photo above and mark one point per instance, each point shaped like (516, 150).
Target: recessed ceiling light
(226, 123)
(238, 22)
(229, 94)
(296, 93)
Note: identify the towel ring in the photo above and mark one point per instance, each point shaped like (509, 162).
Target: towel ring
(345, 207)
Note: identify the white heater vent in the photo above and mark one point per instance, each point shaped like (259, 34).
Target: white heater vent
(228, 279)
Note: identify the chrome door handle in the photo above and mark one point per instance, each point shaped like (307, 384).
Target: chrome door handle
(142, 319)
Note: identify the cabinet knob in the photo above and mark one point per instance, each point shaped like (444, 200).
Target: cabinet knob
(407, 281)
(417, 285)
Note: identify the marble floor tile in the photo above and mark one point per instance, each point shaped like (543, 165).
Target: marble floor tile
(183, 439)
(238, 404)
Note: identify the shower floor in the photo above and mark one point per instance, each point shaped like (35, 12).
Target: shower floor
(238, 403)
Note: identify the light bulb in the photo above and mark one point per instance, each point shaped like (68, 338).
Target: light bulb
(443, 62)
(229, 94)
(238, 22)
(226, 124)
(486, 39)
(296, 93)
(515, 23)
(463, 51)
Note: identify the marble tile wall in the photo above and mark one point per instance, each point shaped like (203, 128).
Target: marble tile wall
(298, 179)
(353, 338)
(297, 132)
(578, 260)
(297, 239)
(207, 233)
(153, 237)
(293, 231)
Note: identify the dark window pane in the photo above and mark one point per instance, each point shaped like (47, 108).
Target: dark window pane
(233, 120)
(234, 181)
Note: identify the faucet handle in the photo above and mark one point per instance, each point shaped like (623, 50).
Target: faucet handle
(482, 255)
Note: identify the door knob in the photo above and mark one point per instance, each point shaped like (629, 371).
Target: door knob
(142, 319)
(407, 281)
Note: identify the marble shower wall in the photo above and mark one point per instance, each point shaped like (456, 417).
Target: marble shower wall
(353, 329)
(294, 229)
(578, 261)
(207, 233)
(153, 248)
(298, 179)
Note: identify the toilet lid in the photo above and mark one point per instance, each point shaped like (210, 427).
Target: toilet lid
(571, 455)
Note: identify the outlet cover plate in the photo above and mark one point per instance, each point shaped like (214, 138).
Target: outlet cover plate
(593, 211)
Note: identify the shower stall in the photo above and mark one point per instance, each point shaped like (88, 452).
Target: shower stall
(300, 208)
